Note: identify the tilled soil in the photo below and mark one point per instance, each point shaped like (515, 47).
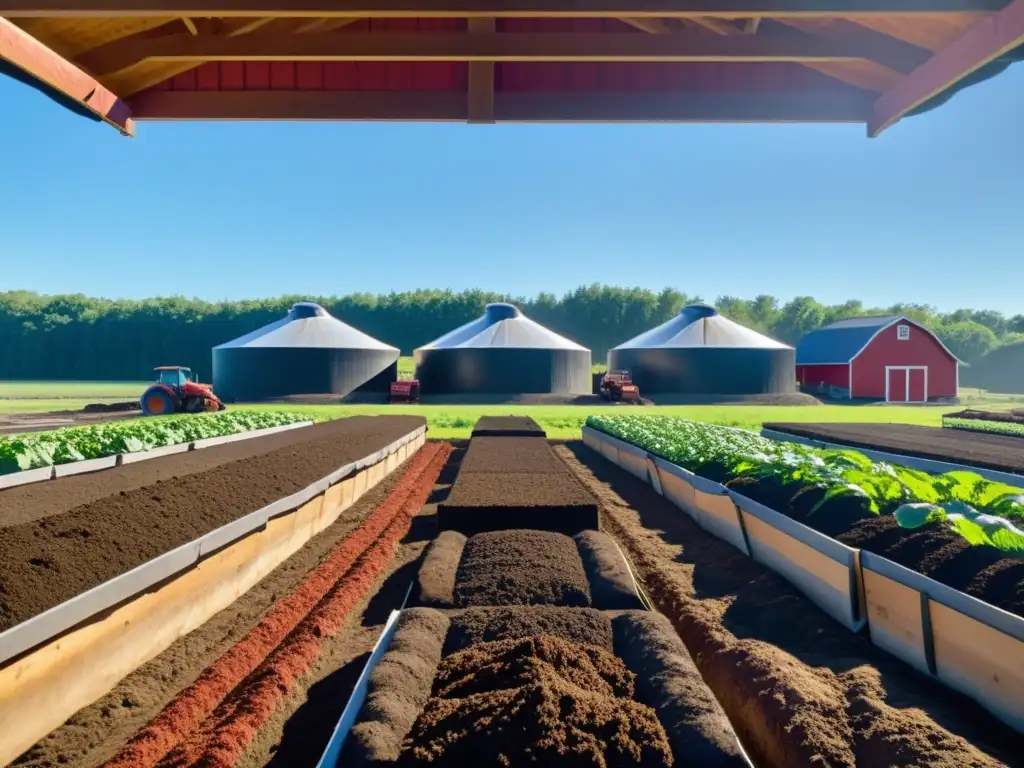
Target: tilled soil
(997, 452)
(507, 426)
(524, 567)
(1006, 417)
(48, 560)
(798, 688)
(536, 699)
(96, 732)
(511, 454)
(489, 501)
(297, 732)
(483, 675)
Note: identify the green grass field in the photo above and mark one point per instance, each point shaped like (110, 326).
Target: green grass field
(456, 421)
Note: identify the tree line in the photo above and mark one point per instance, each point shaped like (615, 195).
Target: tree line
(84, 338)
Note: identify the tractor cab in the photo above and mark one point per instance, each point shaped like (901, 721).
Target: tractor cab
(173, 376)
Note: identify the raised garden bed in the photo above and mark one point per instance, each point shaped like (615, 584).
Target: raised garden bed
(523, 567)
(530, 455)
(799, 688)
(507, 426)
(48, 558)
(542, 685)
(996, 452)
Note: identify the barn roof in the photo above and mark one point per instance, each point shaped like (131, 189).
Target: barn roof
(308, 325)
(502, 326)
(843, 340)
(864, 61)
(699, 325)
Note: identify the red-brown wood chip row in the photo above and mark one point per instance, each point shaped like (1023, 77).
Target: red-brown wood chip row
(196, 726)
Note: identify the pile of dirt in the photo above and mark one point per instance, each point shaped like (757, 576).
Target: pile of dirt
(507, 426)
(970, 414)
(523, 568)
(536, 700)
(526, 567)
(978, 449)
(483, 625)
(800, 689)
(111, 407)
(48, 560)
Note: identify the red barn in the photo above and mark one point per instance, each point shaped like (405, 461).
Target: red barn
(879, 358)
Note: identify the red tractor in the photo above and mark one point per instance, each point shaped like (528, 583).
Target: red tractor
(618, 387)
(175, 391)
(404, 391)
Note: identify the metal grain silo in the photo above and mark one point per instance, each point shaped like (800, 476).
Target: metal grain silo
(309, 352)
(699, 352)
(503, 352)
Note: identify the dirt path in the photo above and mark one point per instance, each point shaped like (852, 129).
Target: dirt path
(297, 732)
(95, 733)
(799, 689)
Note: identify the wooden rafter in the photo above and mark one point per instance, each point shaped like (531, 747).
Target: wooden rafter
(190, 25)
(480, 101)
(42, 64)
(733, 9)
(790, 46)
(827, 106)
(650, 26)
(984, 42)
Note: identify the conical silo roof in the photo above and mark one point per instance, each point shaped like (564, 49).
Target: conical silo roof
(502, 326)
(308, 325)
(700, 325)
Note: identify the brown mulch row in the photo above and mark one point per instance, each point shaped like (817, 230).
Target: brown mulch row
(507, 426)
(530, 455)
(799, 688)
(1006, 417)
(48, 560)
(524, 567)
(258, 672)
(538, 685)
(997, 452)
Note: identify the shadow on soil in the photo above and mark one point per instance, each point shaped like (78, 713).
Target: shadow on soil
(767, 608)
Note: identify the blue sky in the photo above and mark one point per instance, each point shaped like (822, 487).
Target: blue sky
(929, 213)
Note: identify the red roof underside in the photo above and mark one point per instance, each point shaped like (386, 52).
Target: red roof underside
(509, 76)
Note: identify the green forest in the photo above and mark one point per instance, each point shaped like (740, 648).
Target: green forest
(78, 337)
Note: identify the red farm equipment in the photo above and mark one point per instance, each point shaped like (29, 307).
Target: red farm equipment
(175, 391)
(618, 387)
(404, 391)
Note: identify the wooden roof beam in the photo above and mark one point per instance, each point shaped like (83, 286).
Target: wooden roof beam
(480, 101)
(42, 64)
(650, 26)
(429, 106)
(985, 41)
(788, 46)
(680, 9)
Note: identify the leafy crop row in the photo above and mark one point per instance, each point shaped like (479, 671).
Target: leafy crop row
(980, 425)
(44, 449)
(984, 511)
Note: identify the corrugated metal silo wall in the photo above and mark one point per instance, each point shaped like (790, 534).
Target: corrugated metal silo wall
(503, 371)
(257, 373)
(709, 370)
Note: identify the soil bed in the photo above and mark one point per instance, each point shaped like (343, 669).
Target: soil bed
(524, 567)
(48, 560)
(490, 501)
(504, 684)
(511, 454)
(997, 452)
(799, 688)
(96, 732)
(1005, 417)
(934, 550)
(507, 426)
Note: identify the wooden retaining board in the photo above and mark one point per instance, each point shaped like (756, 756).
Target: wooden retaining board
(41, 689)
(969, 645)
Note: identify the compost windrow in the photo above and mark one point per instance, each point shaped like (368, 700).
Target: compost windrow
(49, 560)
(956, 446)
(507, 426)
(799, 688)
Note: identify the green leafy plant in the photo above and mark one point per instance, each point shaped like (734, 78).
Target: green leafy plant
(980, 425)
(885, 488)
(44, 449)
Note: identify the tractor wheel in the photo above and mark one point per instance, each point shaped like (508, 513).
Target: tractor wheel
(156, 402)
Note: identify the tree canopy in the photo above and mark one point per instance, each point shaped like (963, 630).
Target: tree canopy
(78, 337)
